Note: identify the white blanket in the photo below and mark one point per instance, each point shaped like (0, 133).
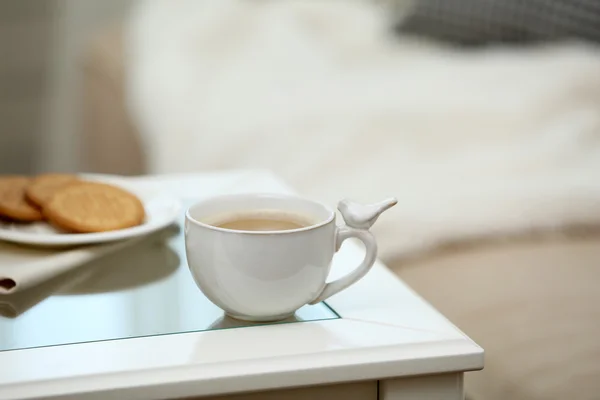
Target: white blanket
(472, 142)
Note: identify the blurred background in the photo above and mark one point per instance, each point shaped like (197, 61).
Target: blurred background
(481, 116)
(41, 47)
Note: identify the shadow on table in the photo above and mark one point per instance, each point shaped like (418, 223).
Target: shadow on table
(139, 265)
(226, 322)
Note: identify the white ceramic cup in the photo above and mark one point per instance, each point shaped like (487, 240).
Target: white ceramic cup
(268, 275)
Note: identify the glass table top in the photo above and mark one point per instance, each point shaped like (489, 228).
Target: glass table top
(143, 290)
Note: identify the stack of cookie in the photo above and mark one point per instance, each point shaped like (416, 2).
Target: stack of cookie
(69, 203)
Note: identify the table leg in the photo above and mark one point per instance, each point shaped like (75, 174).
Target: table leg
(430, 387)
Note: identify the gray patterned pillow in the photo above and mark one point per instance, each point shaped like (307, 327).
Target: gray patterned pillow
(485, 21)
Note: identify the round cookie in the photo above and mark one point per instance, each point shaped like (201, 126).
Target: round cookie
(88, 207)
(42, 187)
(13, 204)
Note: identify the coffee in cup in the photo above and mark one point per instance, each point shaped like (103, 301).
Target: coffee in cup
(261, 220)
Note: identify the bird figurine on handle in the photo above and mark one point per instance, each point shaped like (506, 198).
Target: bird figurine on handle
(359, 219)
(363, 216)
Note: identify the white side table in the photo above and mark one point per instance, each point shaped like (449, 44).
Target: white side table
(376, 340)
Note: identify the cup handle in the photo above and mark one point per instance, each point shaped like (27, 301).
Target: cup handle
(359, 218)
(344, 282)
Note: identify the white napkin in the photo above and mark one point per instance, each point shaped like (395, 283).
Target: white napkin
(117, 269)
(23, 267)
(18, 302)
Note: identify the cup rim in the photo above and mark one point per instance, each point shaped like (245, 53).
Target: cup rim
(319, 224)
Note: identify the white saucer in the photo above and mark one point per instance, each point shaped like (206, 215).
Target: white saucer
(161, 211)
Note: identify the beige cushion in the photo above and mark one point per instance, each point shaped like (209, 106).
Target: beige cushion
(533, 306)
